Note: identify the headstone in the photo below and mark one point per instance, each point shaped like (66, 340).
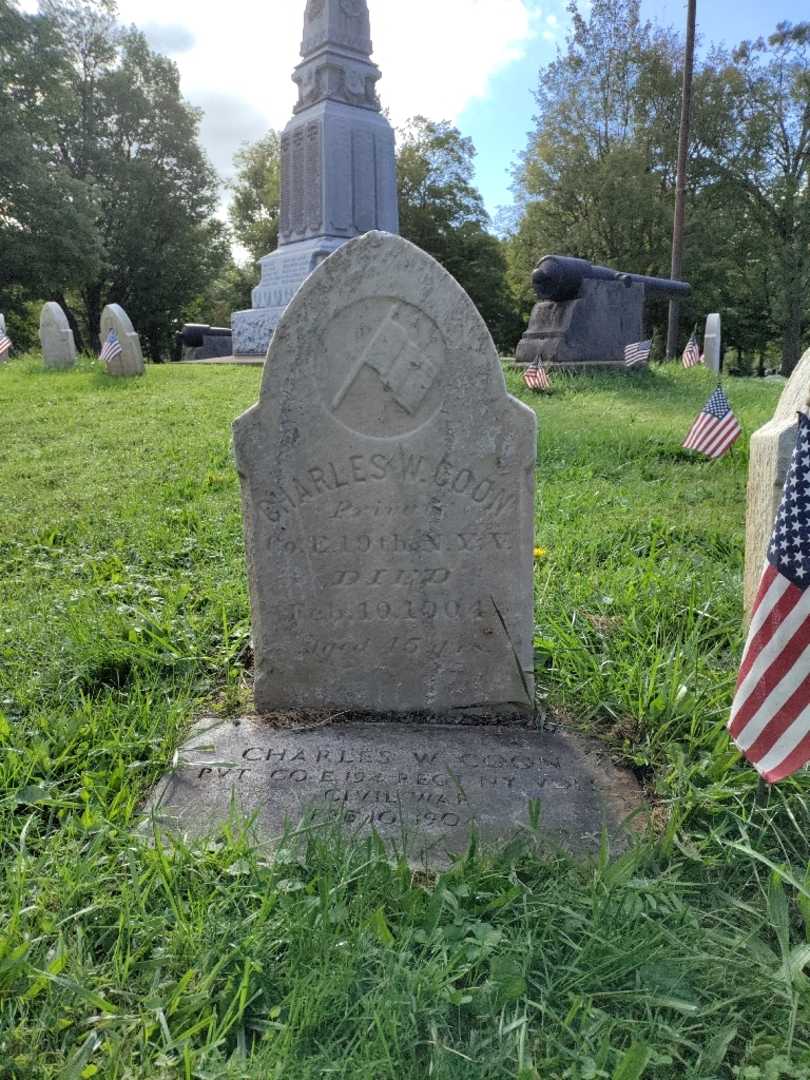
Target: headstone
(712, 344)
(388, 494)
(769, 459)
(56, 337)
(3, 352)
(338, 171)
(130, 359)
(388, 498)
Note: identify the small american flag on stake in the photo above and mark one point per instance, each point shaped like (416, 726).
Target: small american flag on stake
(637, 354)
(691, 354)
(111, 348)
(770, 717)
(716, 428)
(5, 345)
(536, 377)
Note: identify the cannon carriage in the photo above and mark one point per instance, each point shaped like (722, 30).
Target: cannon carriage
(586, 315)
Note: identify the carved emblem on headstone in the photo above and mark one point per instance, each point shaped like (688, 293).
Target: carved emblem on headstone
(352, 7)
(384, 380)
(314, 8)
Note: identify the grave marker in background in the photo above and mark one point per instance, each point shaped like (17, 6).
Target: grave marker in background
(130, 360)
(56, 337)
(712, 344)
(769, 459)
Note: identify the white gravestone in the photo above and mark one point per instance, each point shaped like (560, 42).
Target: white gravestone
(56, 337)
(130, 359)
(3, 355)
(388, 498)
(769, 459)
(712, 344)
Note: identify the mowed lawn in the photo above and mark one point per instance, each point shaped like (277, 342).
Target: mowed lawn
(123, 612)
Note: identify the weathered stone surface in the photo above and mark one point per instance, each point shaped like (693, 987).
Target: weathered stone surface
(56, 337)
(130, 361)
(423, 788)
(338, 172)
(712, 343)
(769, 459)
(388, 496)
(590, 331)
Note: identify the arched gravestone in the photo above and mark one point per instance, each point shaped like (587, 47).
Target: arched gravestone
(130, 359)
(56, 337)
(388, 487)
(769, 459)
(388, 496)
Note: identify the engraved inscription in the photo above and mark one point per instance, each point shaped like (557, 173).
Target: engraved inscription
(442, 476)
(298, 191)
(385, 786)
(314, 215)
(285, 223)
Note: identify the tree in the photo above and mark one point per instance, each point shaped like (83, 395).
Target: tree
(766, 161)
(47, 218)
(112, 129)
(256, 194)
(442, 212)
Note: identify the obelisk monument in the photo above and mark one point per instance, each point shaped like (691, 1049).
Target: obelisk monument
(338, 172)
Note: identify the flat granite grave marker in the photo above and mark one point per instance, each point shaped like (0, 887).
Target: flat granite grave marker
(56, 337)
(769, 460)
(130, 360)
(388, 499)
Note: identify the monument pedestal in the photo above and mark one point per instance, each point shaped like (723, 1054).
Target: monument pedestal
(283, 272)
(587, 333)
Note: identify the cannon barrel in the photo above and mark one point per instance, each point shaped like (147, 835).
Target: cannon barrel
(192, 334)
(560, 277)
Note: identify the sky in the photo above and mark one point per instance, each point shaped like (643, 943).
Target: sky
(473, 62)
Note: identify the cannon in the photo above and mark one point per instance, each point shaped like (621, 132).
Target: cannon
(205, 342)
(586, 315)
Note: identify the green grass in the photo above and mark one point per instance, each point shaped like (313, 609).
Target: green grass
(123, 609)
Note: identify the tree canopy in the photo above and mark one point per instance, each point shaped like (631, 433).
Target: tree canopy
(94, 120)
(598, 175)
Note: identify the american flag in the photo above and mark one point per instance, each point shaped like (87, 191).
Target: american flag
(5, 344)
(691, 354)
(112, 347)
(536, 377)
(770, 717)
(715, 429)
(637, 354)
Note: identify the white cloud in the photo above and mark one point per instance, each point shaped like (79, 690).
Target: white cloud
(436, 56)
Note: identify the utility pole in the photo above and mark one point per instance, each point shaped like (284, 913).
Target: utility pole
(680, 183)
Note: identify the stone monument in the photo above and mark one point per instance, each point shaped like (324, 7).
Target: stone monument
(130, 360)
(388, 499)
(712, 344)
(58, 347)
(586, 315)
(338, 172)
(768, 462)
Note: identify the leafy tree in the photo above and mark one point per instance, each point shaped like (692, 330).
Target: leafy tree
(765, 161)
(112, 130)
(442, 212)
(47, 218)
(256, 194)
